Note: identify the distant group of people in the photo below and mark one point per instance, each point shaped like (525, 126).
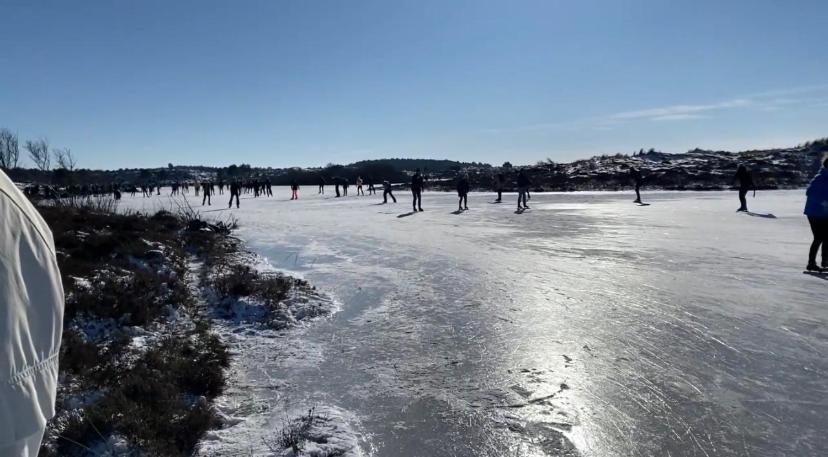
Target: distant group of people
(208, 189)
(343, 183)
(816, 209)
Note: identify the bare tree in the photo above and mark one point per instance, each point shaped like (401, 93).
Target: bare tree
(64, 158)
(39, 153)
(9, 150)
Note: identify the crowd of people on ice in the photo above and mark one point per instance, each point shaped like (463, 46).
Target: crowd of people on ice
(816, 209)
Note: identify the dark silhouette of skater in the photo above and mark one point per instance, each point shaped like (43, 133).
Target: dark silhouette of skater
(417, 184)
(336, 186)
(208, 190)
(345, 187)
(523, 184)
(386, 192)
(745, 184)
(635, 174)
(371, 189)
(499, 184)
(235, 191)
(321, 185)
(294, 190)
(463, 192)
(816, 209)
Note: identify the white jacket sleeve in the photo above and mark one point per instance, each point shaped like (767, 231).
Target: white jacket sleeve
(31, 317)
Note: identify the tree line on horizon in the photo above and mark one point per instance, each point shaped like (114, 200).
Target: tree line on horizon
(58, 166)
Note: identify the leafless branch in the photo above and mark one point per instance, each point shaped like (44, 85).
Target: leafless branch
(39, 153)
(9, 149)
(64, 158)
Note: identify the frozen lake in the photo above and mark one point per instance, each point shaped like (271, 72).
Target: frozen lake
(585, 326)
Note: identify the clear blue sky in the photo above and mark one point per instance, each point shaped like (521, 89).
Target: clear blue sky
(303, 83)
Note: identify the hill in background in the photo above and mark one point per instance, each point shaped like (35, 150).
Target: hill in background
(693, 170)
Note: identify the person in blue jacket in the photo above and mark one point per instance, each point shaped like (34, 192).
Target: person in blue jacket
(816, 209)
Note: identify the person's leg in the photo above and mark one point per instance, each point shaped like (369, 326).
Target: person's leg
(385, 196)
(742, 199)
(816, 229)
(499, 195)
(420, 199)
(637, 193)
(460, 203)
(466, 201)
(414, 199)
(823, 230)
(392, 196)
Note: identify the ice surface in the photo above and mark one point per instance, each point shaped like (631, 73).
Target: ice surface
(588, 322)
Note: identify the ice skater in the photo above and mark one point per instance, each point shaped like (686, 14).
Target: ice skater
(371, 189)
(417, 184)
(294, 190)
(321, 185)
(386, 192)
(816, 209)
(359, 186)
(463, 192)
(207, 191)
(523, 184)
(635, 174)
(745, 184)
(235, 191)
(499, 184)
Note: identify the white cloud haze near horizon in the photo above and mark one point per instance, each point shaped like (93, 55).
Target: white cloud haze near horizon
(309, 83)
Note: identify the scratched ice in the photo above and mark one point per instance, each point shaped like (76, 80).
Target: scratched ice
(585, 326)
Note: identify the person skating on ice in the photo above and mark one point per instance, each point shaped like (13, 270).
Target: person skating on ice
(523, 184)
(207, 192)
(386, 192)
(745, 184)
(235, 191)
(463, 192)
(417, 183)
(499, 184)
(816, 210)
(635, 174)
(294, 190)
